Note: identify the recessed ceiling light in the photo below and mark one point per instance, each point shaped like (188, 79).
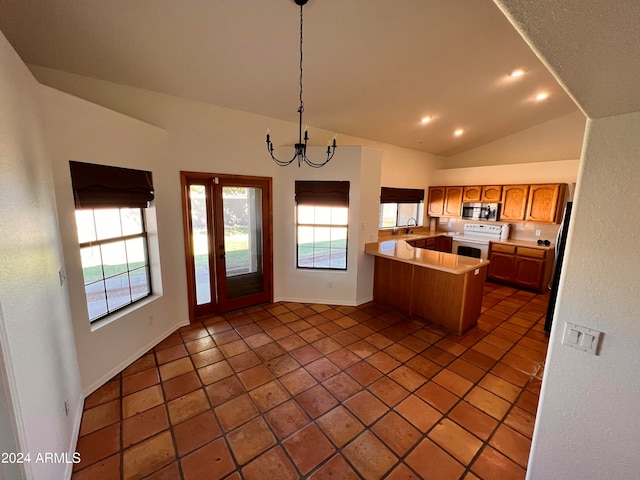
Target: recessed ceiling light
(541, 96)
(517, 73)
(425, 120)
(458, 132)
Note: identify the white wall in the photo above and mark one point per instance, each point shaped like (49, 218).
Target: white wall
(562, 171)
(404, 168)
(207, 138)
(37, 337)
(8, 426)
(361, 167)
(79, 130)
(370, 182)
(587, 424)
(558, 139)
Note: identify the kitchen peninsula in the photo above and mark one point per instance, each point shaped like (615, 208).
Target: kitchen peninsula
(440, 287)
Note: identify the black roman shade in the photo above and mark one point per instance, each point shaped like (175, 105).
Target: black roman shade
(322, 193)
(401, 195)
(101, 186)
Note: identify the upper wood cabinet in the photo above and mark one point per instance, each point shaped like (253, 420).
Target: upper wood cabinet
(435, 206)
(545, 202)
(514, 202)
(533, 203)
(472, 194)
(491, 193)
(453, 201)
(444, 201)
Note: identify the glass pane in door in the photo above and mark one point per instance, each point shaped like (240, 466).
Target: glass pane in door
(242, 210)
(198, 200)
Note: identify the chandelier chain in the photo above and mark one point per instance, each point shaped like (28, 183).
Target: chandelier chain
(300, 152)
(301, 101)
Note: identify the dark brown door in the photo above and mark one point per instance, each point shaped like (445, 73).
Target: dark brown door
(228, 221)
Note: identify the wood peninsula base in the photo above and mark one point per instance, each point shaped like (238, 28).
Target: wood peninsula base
(451, 300)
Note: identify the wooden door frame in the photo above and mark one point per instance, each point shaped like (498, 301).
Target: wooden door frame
(267, 247)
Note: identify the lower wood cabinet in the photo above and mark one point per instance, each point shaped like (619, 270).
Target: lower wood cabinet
(501, 266)
(443, 243)
(453, 301)
(523, 267)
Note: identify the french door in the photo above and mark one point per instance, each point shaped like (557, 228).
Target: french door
(227, 224)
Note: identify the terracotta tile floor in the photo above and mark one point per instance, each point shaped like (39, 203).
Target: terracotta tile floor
(289, 391)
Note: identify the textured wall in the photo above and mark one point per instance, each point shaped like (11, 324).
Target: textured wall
(557, 139)
(588, 423)
(79, 130)
(35, 325)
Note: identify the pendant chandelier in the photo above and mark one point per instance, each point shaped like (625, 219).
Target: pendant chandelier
(300, 147)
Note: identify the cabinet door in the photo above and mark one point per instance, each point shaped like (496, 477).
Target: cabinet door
(544, 202)
(444, 243)
(420, 243)
(430, 244)
(491, 193)
(471, 194)
(514, 202)
(528, 272)
(501, 266)
(435, 206)
(453, 201)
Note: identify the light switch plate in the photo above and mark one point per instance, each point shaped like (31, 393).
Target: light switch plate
(582, 338)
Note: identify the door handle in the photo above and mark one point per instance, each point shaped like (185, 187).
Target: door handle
(222, 256)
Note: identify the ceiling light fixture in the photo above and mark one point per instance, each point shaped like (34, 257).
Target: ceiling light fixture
(300, 147)
(458, 132)
(425, 120)
(541, 96)
(516, 73)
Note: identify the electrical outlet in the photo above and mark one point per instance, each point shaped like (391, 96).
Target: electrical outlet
(538, 232)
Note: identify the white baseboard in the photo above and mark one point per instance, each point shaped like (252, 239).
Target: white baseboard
(75, 434)
(132, 358)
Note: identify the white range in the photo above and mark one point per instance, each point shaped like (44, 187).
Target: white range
(474, 242)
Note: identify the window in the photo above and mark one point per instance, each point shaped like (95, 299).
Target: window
(115, 263)
(399, 205)
(322, 219)
(110, 218)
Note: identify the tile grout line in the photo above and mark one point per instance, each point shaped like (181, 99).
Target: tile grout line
(320, 382)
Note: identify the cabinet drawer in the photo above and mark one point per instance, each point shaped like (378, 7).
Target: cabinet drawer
(499, 247)
(531, 252)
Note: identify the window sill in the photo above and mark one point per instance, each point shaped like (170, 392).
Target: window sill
(126, 311)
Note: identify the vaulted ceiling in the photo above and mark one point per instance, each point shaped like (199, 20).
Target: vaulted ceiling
(372, 68)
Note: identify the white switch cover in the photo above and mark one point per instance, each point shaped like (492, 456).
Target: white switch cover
(582, 338)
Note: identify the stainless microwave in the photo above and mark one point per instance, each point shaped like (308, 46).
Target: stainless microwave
(480, 211)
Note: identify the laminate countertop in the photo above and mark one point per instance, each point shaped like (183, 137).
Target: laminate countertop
(525, 243)
(401, 251)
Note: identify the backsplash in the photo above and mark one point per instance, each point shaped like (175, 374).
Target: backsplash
(525, 231)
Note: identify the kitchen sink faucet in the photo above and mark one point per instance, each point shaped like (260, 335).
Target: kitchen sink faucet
(415, 224)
